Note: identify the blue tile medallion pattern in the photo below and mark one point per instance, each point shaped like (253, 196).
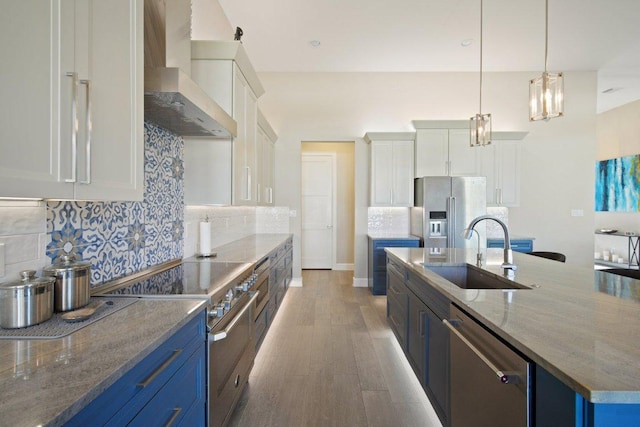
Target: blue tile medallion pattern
(120, 238)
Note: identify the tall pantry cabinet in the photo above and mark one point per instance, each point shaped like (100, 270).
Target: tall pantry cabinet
(72, 79)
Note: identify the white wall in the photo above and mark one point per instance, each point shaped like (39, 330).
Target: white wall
(557, 166)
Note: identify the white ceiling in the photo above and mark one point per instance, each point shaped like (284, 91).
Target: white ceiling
(426, 35)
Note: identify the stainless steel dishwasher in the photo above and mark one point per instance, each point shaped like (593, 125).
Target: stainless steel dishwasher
(489, 381)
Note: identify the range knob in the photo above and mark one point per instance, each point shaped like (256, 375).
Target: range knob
(217, 311)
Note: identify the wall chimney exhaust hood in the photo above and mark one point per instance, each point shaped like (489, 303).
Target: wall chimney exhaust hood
(172, 99)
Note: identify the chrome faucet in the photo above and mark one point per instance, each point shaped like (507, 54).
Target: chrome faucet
(507, 263)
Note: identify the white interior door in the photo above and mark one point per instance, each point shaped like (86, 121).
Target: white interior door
(318, 181)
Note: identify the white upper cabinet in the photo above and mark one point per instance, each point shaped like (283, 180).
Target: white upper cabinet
(223, 70)
(391, 170)
(74, 74)
(500, 163)
(265, 146)
(442, 152)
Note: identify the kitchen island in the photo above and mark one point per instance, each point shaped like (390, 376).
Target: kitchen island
(579, 325)
(47, 382)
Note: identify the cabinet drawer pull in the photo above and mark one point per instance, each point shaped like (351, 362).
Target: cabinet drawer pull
(421, 323)
(504, 377)
(174, 417)
(160, 368)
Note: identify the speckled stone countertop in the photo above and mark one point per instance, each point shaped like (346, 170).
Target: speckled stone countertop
(581, 325)
(248, 249)
(46, 382)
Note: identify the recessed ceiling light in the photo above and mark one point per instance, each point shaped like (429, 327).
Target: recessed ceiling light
(466, 42)
(315, 43)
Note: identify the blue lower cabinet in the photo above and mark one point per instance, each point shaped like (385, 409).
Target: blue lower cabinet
(378, 260)
(557, 405)
(517, 245)
(171, 377)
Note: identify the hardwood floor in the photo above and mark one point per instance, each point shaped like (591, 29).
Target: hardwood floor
(330, 359)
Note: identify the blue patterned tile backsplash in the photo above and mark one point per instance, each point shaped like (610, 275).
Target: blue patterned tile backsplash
(120, 238)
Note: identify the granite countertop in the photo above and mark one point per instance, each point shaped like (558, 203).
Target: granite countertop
(581, 325)
(46, 382)
(248, 249)
(384, 236)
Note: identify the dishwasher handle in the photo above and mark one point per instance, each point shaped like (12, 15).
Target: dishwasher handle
(504, 377)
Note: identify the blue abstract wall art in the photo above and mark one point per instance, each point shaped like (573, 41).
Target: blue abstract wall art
(618, 184)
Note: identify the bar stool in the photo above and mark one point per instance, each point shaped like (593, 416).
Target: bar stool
(556, 256)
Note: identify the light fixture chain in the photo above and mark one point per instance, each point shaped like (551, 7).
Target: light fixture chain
(481, 6)
(546, 34)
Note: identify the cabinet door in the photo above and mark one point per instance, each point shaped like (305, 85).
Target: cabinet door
(508, 161)
(488, 169)
(437, 364)
(260, 173)
(34, 156)
(402, 192)
(267, 171)
(244, 152)
(416, 338)
(432, 152)
(111, 142)
(241, 192)
(462, 157)
(381, 173)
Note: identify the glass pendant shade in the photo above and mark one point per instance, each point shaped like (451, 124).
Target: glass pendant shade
(480, 130)
(546, 97)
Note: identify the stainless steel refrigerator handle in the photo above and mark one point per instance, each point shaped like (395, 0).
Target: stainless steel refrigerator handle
(89, 131)
(505, 378)
(223, 334)
(452, 223)
(74, 125)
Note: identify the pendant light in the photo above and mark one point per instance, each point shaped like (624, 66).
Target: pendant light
(480, 124)
(546, 93)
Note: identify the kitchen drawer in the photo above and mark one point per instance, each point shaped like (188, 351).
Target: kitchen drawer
(183, 391)
(118, 404)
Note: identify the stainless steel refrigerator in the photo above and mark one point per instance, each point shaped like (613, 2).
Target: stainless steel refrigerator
(444, 206)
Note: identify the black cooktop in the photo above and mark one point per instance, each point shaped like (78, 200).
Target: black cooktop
(189, 278)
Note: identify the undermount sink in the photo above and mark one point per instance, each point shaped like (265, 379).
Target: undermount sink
(470, 277)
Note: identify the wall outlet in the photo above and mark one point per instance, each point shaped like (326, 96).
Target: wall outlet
(293, 213)
(577, 212)
(2, 271)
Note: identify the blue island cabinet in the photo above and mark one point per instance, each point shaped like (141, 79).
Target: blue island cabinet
(168, 387)
(377, 281)
(517, 245)
(557, 405)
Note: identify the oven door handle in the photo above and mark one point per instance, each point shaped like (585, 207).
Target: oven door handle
(223, 334)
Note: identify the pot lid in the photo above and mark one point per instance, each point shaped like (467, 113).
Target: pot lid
(66, 263)
(28, 280)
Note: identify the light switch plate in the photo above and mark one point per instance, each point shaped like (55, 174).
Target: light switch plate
(293, 213)
(2, 271)
(577, 212)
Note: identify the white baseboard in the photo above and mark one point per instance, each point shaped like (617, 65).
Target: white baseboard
(360, 282)
(343, 267)
(296, 282)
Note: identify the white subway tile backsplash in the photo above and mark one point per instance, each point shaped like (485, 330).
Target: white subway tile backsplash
(15, 220)
(21, 248)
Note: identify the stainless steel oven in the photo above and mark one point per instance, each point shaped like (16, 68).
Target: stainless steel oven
(233, 292)
(231, 354)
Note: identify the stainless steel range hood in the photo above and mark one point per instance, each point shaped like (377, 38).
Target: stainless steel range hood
(172, 99)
